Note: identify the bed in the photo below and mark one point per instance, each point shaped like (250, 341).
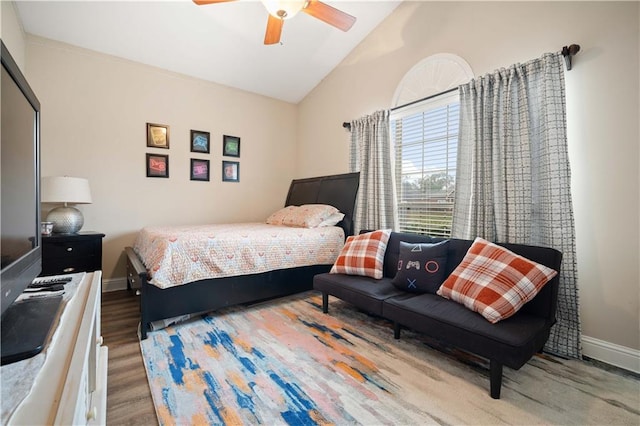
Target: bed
(210, 294)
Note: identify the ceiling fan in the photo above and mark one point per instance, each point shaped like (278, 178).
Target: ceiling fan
(279, 10)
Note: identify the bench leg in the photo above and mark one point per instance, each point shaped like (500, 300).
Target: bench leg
(496, 378)
(396, 330)
(325, 302)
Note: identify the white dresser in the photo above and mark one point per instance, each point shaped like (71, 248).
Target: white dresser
(70, 388)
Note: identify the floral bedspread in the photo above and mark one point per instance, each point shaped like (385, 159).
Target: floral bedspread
(178, 255)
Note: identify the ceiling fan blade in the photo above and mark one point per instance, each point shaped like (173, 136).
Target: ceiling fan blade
(274, 30)
(203, 2)
(330, 15)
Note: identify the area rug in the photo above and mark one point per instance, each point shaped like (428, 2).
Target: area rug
(285, 362)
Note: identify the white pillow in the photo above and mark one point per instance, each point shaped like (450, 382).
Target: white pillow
(332, 220)
(306, 216)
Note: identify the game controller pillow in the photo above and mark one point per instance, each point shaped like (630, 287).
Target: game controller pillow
(421, 267)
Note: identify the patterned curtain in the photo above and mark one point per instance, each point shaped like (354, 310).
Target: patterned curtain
(370, 154)
(513, 173)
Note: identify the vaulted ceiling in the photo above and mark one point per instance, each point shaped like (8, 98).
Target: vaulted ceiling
(222, 42)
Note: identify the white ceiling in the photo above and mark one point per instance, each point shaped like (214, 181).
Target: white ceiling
(221, 42)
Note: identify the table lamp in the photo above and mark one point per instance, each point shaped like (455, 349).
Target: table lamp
(68, 190)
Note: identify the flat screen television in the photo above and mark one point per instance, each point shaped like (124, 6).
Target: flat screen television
(20, 240)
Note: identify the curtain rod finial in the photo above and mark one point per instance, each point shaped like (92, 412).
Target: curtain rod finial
(568, 52)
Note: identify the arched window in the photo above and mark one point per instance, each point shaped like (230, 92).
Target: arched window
(424, 132)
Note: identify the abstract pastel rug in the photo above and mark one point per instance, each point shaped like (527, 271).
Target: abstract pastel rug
(285, 362)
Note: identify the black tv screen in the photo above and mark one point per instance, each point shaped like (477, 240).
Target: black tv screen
(20, 243)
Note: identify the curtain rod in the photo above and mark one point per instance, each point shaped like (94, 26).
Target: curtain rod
(567, 51)
(347, 125)
(425, 98)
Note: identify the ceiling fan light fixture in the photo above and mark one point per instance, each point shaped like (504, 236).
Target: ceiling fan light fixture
(284, 9)
(279, 10)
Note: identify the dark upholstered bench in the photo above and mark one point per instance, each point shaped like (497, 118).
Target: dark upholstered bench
(510, 342)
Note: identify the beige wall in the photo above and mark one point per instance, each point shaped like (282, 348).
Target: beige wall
(602, 120)
(94, 113)
(12, 33)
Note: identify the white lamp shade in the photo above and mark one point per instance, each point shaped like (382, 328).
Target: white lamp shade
(65, 189)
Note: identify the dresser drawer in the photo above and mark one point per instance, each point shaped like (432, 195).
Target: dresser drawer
(71, 265)
(70, 249)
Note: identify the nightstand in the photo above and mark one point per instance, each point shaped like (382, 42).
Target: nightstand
(71, 253)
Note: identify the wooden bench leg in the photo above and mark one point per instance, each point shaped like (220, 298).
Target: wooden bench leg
(495, 378)
(325, 303)
(396, 330)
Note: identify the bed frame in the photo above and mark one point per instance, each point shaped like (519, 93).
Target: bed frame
(211, 294)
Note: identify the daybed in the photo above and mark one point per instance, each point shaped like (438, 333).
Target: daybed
(209, 294)
(511, 341)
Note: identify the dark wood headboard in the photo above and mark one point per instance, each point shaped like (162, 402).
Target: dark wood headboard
(337, 190)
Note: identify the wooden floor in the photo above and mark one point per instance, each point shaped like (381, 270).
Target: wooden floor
(128, 395)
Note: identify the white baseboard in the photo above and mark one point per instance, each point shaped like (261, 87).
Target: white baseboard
(114, 284)
(610, 353)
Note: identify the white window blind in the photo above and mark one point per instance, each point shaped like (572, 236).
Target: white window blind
(425, 137)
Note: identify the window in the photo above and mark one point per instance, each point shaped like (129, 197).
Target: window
(425, 137)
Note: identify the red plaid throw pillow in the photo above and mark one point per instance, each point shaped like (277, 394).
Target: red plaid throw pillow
(494, 281)
(363, 255)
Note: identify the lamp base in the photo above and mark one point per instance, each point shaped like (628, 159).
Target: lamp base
(66, 220)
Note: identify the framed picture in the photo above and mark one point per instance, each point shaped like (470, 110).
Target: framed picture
(157, 135)
(230, 171)
(230, 146)
(200, 141)
(157, 165)
(199, 169)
